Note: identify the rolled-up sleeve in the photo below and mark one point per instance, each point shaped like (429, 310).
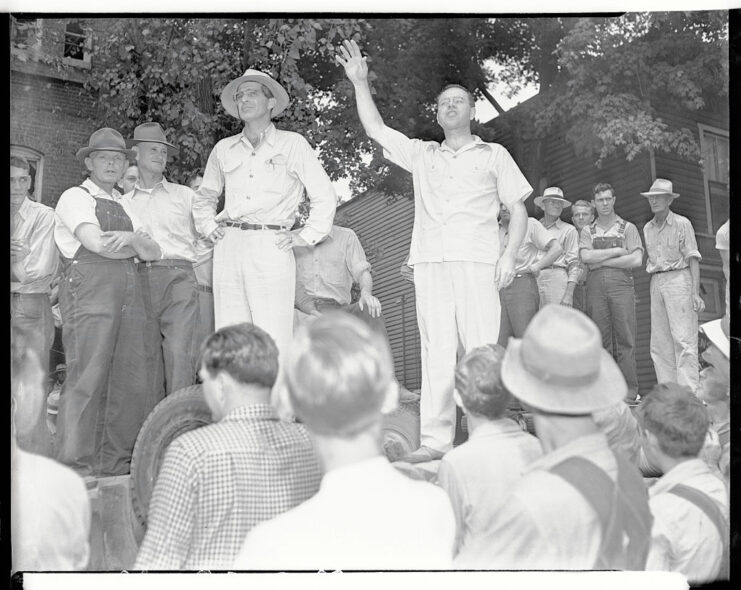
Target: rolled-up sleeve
(585, 240)
(320, 191)
(632, 239)
(207, 196)
(512, 185)
(570, 246)
(687, 241)
(355, 258)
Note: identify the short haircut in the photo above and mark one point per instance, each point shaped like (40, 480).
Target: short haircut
(583, 203)
(471, 99)
(20, 162)
(675, 416)
(478, 381)
(244, 351)
(338, 372)
(601, 187)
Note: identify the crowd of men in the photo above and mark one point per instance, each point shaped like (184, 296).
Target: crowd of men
(163, 285)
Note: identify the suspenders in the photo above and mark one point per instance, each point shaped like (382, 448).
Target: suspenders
(711, 510)
(623, 511)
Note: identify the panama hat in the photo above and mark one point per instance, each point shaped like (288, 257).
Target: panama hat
(552, 192)
(152, 132)
(279, 93)
(717, 335)
(105, 139)
(576, 379)
(661, 187)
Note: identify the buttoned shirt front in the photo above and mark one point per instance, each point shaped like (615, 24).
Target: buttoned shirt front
(568, 238)
(218, 481)
(671, 245)
(632, 239)
(546, 523)
(683, 538)
(77, 206)
(33, 224)
(366, 515)
(479, 476)
(264, 184)
(536, 241)
(166, 212)
(456, 196)
(328, 269)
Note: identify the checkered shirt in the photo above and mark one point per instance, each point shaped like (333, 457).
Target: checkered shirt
(219, 481)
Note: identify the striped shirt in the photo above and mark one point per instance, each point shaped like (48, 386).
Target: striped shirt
(219, 481)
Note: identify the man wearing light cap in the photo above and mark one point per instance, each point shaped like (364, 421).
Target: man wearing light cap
(674, 265)
(581, 506)
(165, 209)
(263, 171)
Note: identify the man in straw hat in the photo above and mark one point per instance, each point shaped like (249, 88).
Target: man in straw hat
(108, 391)
(165, 208)
(581, 506)
(674, 265)
(264, 172)
(458, 186)
(611, 247)
(554, 278)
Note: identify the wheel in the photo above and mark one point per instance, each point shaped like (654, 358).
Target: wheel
(178, 413)
(401, 431)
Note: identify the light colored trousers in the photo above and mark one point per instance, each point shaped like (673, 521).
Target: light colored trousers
(455, 300)
(254, 282)
(674, 329)
(552, 285)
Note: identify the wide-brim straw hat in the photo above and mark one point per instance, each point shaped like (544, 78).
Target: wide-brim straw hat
(105, 139)
(152, 132)
(560, 367)
(661, 187)
(552, 192)
(715, 333)
(279, 93)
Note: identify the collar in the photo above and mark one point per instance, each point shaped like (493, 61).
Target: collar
(164, 183)
(95, 190)
(584, 446)
(268, 135)
(251, 412)
(668, 221)
(679, 474)
(618, 219)
(25, 208)
(476, 142)
(496, 427)
(558, 223)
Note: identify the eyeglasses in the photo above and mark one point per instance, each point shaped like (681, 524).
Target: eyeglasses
(247, 95)
(20, 179)
(117, 159)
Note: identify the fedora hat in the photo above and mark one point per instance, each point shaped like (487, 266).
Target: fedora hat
(716, 332)
(105, 139)
(552, 192)
(279, 93)
(559, 365)
(661, 186)
(152, 132)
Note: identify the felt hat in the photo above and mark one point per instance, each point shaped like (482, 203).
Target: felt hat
(661, 187)
(152, 132)
(279, 93)
(552, 192)
(715, 331)
(559, 365)
(105, 139)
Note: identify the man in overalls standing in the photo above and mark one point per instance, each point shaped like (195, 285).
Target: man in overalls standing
(107, 393)
(611, 248)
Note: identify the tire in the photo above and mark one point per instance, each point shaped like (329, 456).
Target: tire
(180, 412)
(401, 431)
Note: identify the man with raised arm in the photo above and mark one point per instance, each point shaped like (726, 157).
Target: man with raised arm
(458, 186)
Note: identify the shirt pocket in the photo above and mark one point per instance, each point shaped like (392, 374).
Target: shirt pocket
(275, 176)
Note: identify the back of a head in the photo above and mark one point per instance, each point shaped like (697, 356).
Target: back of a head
(479, 383)
(245, 352)
(338, 372)
(678, 420)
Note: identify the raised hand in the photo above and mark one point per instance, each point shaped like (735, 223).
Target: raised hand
(350, 58)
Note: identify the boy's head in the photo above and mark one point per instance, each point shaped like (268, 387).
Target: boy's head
(478, 382)
(339, 376)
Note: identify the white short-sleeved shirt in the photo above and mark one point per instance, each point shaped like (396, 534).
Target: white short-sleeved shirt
(534, 243)
(456, 196)
(75, 207)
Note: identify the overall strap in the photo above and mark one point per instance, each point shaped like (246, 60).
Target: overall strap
(713, 512)
(621, 228)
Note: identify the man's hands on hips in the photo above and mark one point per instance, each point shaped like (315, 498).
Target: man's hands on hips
(371, 302)
(216, 235)
(285, 239)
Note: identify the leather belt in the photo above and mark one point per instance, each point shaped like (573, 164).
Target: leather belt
(520, 275)
(552, 267)
(166, 262)
(204, 288)
(656, 272)
(247, 226)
